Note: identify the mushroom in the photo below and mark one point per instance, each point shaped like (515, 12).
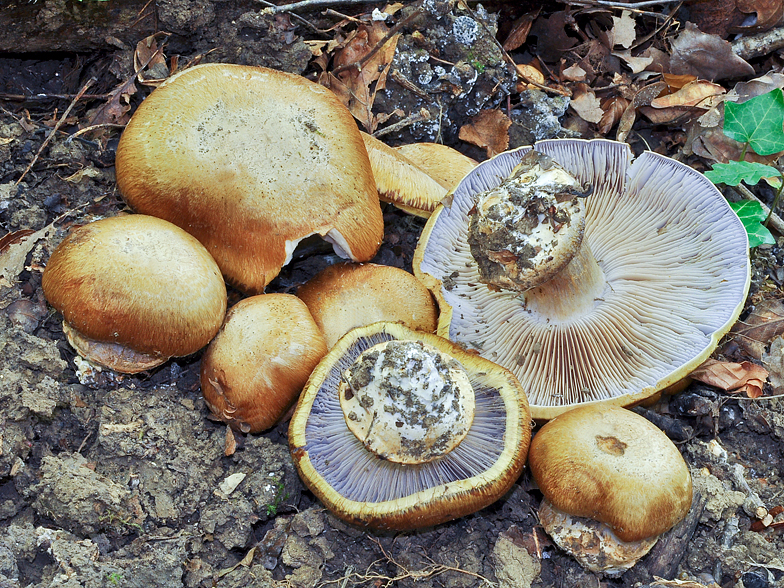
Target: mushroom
(445, 165)
(612, 484)
(398, 429)
(660, 274)
(400, 181)
(254, 369)
(134, 291)
(348, 295)
(251, 161)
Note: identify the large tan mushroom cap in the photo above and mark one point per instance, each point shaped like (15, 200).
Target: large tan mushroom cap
(401, 182)
(251, 161)
(136, 282)
(348, 295)
(612, 465)
(365, 489)
(663, 273)
(444, 164)
(255, 368)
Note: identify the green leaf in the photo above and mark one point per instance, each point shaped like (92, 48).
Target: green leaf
(751, 214)
(735, 172)
(759, 122)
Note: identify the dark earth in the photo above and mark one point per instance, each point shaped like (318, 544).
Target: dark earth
(109, 480)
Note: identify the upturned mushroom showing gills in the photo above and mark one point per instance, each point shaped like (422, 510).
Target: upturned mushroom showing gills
(593, 277)
(134, 291)
(612, 484)
(254, 369)
(251, 161)
(398, 429)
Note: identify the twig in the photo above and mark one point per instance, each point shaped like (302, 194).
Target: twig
(391, 33)
(667, 20)
(56, 128)
(758, 45)
(775, 220)
(311, 5)
(26, 98)
(423, 114)
(624, 5)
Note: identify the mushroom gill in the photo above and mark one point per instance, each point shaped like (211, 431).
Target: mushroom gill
(664, 275)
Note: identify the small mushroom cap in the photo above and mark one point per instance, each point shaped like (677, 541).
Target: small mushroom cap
(349, 295)
(251, 161)
(668, 273)
(364, 489)
(614, 466)
(400, 181)
(445, 165)
(139, 282)
(255, 368)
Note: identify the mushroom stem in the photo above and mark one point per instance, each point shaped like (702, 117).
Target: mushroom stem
(572, 292)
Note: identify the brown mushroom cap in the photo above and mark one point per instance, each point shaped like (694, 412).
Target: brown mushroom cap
(256, 366)
(444, 164)
(400, 181)
(251, 161)
(614, 466)
(365, 489)
(662, 273)
(348, 295)
(135, 282)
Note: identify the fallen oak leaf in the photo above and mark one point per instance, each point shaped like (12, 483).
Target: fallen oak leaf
(764, 323)
(613, 108)
(744, 377)
(706, 56)
(489, 129)
(642, 98)
(586, 104)
(692, 94)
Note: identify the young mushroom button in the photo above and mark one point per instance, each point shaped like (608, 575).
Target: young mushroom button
(398, 429)
(611, 311)
(134, 291)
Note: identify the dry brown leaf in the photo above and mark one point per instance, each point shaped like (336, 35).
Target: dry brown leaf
(149, 60)
(641, 98)
(520, 29)
(745, 377)
(706, 56)
(552, 41)
(359, 74)
(623, 32)
(529, 74)
(14, 248)
(681, 583)
(231, 443)
(613, 110)
(586, 104)
(637, 64)
(692, 94)
(574, 73)
(757, 330)
(676, 82)
(664, 116)
(489, 129)
(774, 363)
(769, 14)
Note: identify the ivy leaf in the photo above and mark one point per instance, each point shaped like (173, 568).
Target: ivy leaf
(751, 214)
(758, 122)
(735, 172)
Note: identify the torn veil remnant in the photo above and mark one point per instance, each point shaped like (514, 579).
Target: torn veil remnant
(660, 275)
(398, 429)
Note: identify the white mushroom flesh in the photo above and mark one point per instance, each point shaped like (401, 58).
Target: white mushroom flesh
(406, 401)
